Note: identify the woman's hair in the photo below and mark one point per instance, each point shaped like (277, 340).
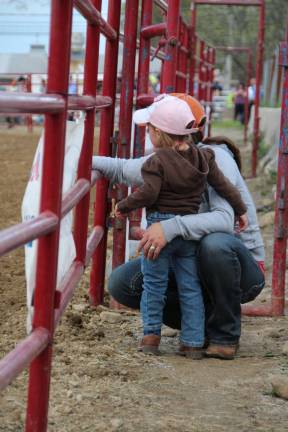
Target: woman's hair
(167, 140)
(217, 140)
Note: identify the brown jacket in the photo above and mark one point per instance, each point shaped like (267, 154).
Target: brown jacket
(175, 180)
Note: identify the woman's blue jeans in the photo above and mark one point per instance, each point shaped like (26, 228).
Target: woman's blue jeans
(229, 276)
(180, 257)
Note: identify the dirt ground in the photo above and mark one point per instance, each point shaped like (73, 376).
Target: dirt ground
(101, 383)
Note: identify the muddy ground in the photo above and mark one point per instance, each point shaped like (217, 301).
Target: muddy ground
(101, 383)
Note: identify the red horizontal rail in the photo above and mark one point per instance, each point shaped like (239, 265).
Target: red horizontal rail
(49, 104)
(143, 100)
(180, 74)
(20, 234)
(46, 222)
(73, 275)
(21, 356)
(183, 49)
(154, 30)
(89, 102)
(67, 288)
(94, 17)
(229, 2)
(77, 191)
(74, 195)
(161, 4)
(93, 241)
(31, 103)
(251, 310)
(157, 54)
(204, 62)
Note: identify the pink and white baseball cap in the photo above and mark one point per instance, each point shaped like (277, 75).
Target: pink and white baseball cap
(169, 114)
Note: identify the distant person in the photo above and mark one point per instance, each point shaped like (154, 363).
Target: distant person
(239, 103)
(19, 85)
(216, 88)
(251, 95)
(72, 90)
(43, 85)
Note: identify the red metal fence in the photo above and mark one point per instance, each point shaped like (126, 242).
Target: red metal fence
(178, 52)
(173, 50)
(36, 349)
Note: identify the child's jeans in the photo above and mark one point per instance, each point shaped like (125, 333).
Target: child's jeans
(180, 255)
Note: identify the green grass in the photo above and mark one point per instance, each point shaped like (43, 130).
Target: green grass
(227, 123)
(263, 149)
(267, 104)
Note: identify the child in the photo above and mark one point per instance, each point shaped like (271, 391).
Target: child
(174, 180)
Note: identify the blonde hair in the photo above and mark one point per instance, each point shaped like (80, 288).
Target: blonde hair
(166, 140)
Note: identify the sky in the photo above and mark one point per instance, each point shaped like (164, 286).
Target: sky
(26, 22)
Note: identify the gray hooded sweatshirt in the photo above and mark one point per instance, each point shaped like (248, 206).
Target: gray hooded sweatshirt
(215, 214)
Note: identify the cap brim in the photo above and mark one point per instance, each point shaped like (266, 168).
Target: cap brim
(141, 116)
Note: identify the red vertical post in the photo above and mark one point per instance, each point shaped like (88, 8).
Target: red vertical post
(51, 195)
(170, 61)
(126, 105)
(84, 168)
(259, 68)
(142, 88)
(186, 59)
(211, 59)
(193, 49)
(206, 74)
(281, 213)
(181, 56)
(97, 277)
(143, 72)
(181, 81)
(201, 71)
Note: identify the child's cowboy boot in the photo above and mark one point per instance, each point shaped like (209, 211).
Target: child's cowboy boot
(193, 353)
(150, 344)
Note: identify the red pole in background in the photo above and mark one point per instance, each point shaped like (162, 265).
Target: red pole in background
(125, 120)
(182, 58)
(142, 88)
(170, 61)
(281, 212)
(143, 72)
(259, 68)
(187, 58)
(179, 56)
(84, 167)
(248, 78)
(206, 74)
(51, 195)
(211, 59)
(97, 276)
(201, 71)
(193, 49)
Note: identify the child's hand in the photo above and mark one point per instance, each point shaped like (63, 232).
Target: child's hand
(118, 214)
(243, 222)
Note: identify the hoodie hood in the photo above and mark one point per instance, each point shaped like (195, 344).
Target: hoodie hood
(189, 168)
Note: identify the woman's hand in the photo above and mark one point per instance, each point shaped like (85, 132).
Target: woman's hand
(153, 241)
